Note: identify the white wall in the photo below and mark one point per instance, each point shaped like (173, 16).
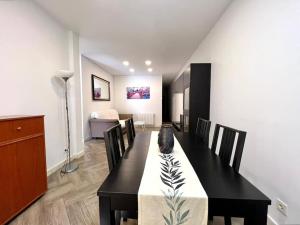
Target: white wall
(89, 105)
(255, 54)
(152, 105)
(32, 48)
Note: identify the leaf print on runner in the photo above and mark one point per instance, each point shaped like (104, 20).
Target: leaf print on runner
(172, 178)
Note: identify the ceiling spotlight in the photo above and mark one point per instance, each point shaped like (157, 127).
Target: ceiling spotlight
(150, 70)
(131, 70)
(148, 62)
(125, 63)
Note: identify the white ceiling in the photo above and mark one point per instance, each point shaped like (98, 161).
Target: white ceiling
(164, 31)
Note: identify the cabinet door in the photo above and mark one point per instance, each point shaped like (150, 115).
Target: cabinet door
(40, 166)
(31, 171)
(9, 190)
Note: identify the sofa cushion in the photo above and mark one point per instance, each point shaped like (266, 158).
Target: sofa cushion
(108, 114)
(122, 122)
(94, 115)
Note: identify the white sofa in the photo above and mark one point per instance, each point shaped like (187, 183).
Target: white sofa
(105, 119)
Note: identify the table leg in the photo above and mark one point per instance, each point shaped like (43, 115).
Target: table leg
(258, 216)
(107, 216)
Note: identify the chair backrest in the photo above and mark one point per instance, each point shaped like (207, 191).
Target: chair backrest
(202, 130)
(227, 144)
(114, 144)
(130, 131)
(132, 126)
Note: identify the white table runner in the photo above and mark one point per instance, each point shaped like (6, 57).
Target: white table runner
(170, 192)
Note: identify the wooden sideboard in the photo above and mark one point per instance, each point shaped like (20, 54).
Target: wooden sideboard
(23, 177)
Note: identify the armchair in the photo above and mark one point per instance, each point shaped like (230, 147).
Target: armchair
(105, 120)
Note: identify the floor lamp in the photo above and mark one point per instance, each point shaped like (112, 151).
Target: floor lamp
(69, 167)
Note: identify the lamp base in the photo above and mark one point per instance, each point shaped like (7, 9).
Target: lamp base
(69, 168)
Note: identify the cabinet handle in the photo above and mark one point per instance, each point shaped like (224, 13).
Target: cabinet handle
(19, 128)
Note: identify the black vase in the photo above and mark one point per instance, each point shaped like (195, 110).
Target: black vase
(166, 139)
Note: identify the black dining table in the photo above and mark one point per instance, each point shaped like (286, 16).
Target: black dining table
(229, 193)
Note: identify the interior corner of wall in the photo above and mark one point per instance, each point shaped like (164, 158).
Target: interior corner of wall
(271, 220)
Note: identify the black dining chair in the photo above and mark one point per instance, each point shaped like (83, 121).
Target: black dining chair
(115, 149)
(227, 144)
(130, 130)
(202, 130)
(226, 150)
(114, 144)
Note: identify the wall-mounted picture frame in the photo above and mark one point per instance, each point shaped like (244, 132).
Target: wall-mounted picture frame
(100, 89)
(138, 92)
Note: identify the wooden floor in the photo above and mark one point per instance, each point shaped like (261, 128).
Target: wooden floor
(71, 199)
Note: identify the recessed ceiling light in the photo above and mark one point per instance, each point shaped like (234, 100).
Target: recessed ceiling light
(148, 62)
(125, 63)
(131, 70)
(150, 70)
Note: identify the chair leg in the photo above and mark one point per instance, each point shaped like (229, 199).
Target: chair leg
(118, 217)
(124, 216)
(227, 220)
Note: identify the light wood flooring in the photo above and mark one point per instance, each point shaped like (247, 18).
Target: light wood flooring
(71, 199)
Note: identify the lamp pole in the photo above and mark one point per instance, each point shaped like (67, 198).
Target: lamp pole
(69, 166)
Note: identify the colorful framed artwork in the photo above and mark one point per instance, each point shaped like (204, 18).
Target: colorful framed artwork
(138, 92)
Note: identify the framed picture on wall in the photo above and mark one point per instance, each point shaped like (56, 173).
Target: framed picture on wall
(138, 92)
(100, 89)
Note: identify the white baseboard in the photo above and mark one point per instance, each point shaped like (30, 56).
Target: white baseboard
(271, 221)
(56, 167)
(78, 155)
(88, 139)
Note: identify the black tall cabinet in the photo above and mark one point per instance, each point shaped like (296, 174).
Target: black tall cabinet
(194, 83)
